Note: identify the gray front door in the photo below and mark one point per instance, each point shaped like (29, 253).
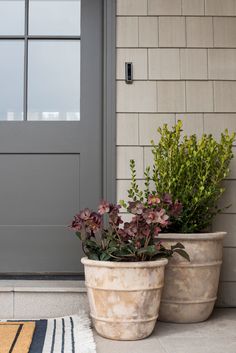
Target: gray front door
(50, 130)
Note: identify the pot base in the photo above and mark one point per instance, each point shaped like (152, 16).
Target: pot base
(124, 331)
(186, 313)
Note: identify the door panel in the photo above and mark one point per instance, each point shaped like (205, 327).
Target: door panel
(41, 249)
(48, 184)
(51, 169)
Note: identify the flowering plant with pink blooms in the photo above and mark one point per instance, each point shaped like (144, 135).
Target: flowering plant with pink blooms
(136, 240)
(173, 208)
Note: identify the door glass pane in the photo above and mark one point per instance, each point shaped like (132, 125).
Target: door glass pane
(54, 80)
(54, 17)
(11, 79)
(12, 14)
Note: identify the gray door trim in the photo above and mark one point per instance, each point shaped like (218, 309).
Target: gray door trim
(109, 101)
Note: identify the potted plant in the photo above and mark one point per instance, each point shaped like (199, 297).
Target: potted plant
(124, 266)
(191, 171)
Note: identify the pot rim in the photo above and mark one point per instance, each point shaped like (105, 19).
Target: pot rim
(193, 236)
(139, 264)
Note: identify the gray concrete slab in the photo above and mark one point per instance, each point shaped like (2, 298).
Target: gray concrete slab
(217, 335)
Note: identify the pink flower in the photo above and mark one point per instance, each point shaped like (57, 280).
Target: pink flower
(153, 217)
(114, 218)
(162, 217)
(150, 216)
(146, 231)
(130, 229)
(95, 221)
(76, 224)
(167, 199)
(153, 200)
(85, 214)
(104, 207)
(136, 207)
(156, 231)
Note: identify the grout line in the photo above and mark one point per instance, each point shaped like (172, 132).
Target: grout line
(213, 32)
(158, 29)
(174, 47)
(177, 15)
(149, 146)
(172, 80)
(158, 40)
(166, 113)
(143, 162)
(208, 64)
(186, 32)
(213, 93)
(185, 96)
(203, 115)
(157, 101)
(138, 33)
(180, 66)
(139, 129)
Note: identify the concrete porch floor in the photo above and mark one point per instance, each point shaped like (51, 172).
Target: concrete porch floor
(217, 335)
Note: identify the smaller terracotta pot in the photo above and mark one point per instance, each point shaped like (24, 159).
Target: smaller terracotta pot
(124, 297)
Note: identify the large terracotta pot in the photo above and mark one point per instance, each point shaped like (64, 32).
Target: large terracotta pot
(190, 289)
(124, 297)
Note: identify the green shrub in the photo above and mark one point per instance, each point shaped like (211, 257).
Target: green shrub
(191, 171)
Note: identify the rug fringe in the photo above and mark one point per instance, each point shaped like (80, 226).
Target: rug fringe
(85, 334)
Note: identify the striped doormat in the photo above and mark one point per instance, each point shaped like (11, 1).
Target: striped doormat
(70, 334)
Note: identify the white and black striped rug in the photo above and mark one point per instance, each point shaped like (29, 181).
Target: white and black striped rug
(70, 334)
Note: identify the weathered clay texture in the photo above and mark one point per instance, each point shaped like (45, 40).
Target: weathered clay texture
(190, 289)
(124, 297)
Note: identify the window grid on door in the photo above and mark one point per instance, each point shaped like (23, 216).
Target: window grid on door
(30, 38)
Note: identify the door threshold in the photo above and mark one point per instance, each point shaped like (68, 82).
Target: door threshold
(42, 277)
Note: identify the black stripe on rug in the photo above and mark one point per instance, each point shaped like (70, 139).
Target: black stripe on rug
(63, 336)
(72, 335)
(16, 337)
(39, 336)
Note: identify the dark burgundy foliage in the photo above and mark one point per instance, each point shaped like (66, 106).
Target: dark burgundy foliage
(135, 240)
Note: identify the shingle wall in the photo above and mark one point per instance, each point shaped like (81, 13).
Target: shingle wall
(184, 59)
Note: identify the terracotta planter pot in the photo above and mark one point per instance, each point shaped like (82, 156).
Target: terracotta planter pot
(124, 297)
(190, 289)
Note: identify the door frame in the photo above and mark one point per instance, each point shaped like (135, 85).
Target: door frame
(109, 100)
